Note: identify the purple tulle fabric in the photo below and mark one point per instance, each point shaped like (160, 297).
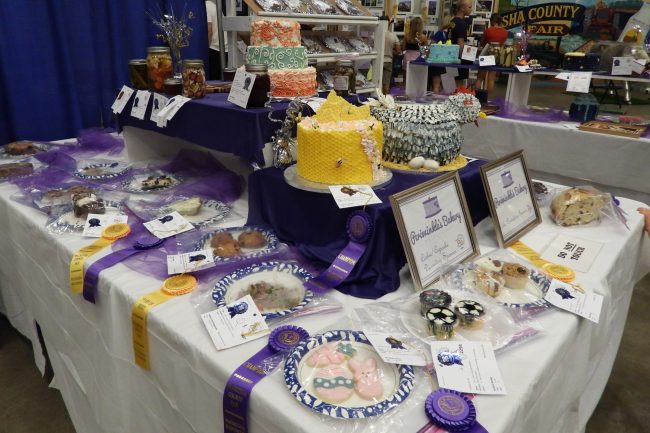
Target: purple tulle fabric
(45, 179)
(94, 141)
(510, 111)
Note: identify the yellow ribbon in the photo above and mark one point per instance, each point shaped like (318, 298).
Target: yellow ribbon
(177, 285)
(559, 272)
(109, 235)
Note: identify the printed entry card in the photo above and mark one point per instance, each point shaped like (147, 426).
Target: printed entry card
(435, 227)
(510, 196)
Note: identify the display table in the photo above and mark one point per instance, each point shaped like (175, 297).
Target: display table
(314, 223)
(215, 123)
(553, 381)
(570, 155)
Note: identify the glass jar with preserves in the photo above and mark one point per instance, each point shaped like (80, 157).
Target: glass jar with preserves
(138, 73)
(193, 79)
(173, 86)
(261, 87)
(159, 67)
(345, 78)
(229, 74)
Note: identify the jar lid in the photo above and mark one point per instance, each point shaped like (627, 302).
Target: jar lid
(158, 49)
(229, 69)
(345, 62)
(138, 62)
(172, 81)
(256, 67)
(312, 62)
(193, 62)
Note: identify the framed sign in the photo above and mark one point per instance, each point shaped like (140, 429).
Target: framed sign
(435, 227)
(511, 197)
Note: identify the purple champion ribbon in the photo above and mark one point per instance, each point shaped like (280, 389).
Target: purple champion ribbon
(359, 228)
(91, 277)
(238, 388)
(452, 411)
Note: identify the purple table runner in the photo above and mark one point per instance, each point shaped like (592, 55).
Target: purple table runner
(217, 124)
(317, 227)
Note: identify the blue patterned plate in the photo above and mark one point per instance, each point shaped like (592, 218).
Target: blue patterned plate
(276, 287)
(211, 211)
(338, 379)
(245, 253)
(134, 184)
(103, 170)
(530, 298)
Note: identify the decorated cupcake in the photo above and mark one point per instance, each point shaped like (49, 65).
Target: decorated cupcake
(441, 322)
(433, 298)
(470, 313)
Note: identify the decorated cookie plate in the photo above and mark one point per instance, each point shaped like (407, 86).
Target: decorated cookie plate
(134, 184)
(102, 170)
(530, 297)
(270, 243)
(340, 374)
(276, 287)
(37, 148)
(68, 222)
(292, 177)
(211, 211)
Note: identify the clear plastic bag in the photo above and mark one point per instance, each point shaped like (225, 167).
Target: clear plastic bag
(321, 7)
(584, 205)
(358, 46)
(336, 44)
(511, 281)
(339, 376)
(477, 317)
(349, 8)
(277, 287)
(198, 210)
(70, 218)
(272, 5)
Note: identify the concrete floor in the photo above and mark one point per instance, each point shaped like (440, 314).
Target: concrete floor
(27, 405)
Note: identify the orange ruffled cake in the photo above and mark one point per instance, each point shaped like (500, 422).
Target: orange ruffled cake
(285, 82)
(341, 144)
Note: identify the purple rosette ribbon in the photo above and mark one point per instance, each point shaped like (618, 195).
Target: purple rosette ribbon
(359, 229)
(91, 277)
(282, 341)
(452, 411)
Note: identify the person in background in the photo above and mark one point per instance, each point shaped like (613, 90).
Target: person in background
(458, 33)
(435, 72)
(214, 70)
(646, 214)
(412, 41)
(391, 48)
(495, 34)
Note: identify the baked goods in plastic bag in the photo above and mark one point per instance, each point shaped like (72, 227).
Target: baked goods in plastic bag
(272, 5)
(321, 7)
(349, 8)
(580, 205)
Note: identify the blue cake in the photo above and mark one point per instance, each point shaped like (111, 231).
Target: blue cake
(443, 53)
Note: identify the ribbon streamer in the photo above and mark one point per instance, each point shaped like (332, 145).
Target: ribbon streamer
(109, 235)
(282, 340)
(172, 287)
(359, 228)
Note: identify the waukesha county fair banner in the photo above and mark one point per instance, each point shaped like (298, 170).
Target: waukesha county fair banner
(548, 19)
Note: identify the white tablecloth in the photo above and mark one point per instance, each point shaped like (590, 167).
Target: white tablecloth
(557, 153)
(553, 381)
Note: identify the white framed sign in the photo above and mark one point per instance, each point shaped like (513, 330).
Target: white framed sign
(435, 227)
(510, 196)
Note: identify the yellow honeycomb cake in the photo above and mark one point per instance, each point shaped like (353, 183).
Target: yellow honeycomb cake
(341, 144)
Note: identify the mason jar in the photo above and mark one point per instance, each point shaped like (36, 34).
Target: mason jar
(345, 78)
(159, 67)
(193, 78)
(138, 74)
(261, 87)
